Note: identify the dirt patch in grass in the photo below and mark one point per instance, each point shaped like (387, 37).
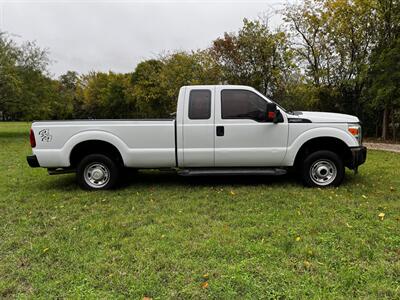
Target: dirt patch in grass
(384, 147)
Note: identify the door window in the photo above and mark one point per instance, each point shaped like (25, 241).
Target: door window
(242, 104)
(199, 104)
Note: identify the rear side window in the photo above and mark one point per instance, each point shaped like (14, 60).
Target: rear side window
(242, 104)
(200, 104)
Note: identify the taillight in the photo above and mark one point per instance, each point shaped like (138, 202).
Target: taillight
(32, 138)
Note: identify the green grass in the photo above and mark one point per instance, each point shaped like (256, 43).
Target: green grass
(163, 236)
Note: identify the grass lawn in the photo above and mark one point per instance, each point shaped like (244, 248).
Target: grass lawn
(163, 236)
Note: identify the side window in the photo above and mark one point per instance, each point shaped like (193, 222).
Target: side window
(242, 104)
(199, 104)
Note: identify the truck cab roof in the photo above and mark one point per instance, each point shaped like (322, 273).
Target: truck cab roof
(225, 86)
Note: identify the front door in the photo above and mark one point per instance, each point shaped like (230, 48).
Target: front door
(241, 138)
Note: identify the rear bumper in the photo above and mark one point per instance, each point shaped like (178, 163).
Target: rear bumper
(32, 161)
(358, 156)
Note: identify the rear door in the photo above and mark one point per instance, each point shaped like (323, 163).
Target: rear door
(198, 127)
(241, 139)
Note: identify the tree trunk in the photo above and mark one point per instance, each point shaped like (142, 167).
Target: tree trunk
(377, 123)
(393, 126)
(385, 122)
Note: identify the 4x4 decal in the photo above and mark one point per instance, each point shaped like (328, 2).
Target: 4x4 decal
(45, 135)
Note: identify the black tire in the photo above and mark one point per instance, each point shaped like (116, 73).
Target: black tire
(97, 165)
(322, 169)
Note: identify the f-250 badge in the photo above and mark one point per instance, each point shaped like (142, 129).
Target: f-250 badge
(45, 135)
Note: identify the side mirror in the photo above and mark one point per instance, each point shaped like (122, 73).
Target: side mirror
(271, 112)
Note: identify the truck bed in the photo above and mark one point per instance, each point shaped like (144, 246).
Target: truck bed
(143, 143)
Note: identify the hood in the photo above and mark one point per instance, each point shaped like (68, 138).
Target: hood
(324, 117)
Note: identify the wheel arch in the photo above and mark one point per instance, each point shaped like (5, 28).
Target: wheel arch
(328, 143)
(99, 141)
(298, 141)
(94, 146)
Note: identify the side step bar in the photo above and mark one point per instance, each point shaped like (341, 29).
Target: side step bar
(57, 171)
(232, 172)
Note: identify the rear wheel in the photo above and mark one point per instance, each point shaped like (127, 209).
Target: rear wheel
(97, 172)
(322, 169)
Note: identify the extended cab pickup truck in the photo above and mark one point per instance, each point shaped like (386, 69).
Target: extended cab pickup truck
(218, 130)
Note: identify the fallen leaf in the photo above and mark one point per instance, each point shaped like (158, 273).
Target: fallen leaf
(204, 285)
(307, 264)
(45, 250)
(347, 224)
(233, 193)
(298, 239)
(365, 197)
(205, 276)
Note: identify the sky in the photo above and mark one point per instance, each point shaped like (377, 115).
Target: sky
(116, 35)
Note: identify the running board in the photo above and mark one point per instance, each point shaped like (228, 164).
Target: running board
(232, 172)
(57, 171)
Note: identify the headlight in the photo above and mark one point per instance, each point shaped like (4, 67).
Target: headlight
(355, 130)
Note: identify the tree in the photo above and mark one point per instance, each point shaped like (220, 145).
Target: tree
(10, 84)
(333, 41)
(156, 83)
(384, 60)
(105, 95)
(180, 69)
(255, 56)
(384, 86)
(147, 91)
(25, 89)
(67, 105)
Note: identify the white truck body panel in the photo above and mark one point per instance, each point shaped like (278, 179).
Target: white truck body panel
(248, 142)
(145, 144)
(324, 117)
(302, 132)
(198, 135)
(186, 142)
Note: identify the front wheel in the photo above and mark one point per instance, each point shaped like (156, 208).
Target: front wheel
(97, 172)
(322, 169)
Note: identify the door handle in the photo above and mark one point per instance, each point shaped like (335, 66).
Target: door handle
(220, 131)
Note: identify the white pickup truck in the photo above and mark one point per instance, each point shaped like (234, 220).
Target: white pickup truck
(218, 130)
